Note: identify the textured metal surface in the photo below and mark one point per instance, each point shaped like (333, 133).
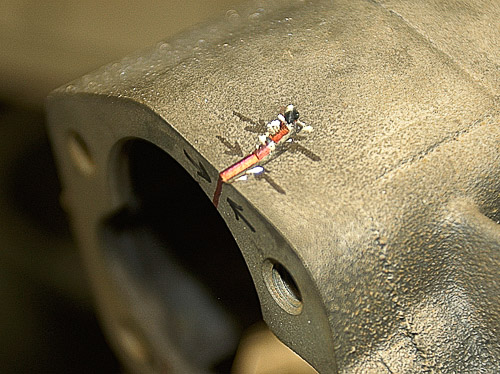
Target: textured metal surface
(392, 236)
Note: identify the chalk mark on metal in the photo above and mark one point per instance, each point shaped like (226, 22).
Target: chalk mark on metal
(238, 213)
(200, 169)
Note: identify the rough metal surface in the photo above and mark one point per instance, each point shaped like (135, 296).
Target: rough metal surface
(392, 236)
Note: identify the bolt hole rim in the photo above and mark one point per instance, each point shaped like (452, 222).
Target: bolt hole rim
(80, 154)
(282, 287)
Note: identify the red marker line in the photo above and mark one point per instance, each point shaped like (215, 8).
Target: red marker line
(248, 161)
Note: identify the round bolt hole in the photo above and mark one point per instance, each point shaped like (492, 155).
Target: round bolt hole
(283, 287)
(80, 154)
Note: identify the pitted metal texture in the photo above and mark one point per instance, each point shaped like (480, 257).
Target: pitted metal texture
(386, 216)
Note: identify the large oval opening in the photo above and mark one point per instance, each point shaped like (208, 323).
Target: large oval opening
(185, 280)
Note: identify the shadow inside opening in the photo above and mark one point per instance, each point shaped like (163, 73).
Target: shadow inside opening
(177, 263)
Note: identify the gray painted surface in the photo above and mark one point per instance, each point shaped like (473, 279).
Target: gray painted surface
(393, 236)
